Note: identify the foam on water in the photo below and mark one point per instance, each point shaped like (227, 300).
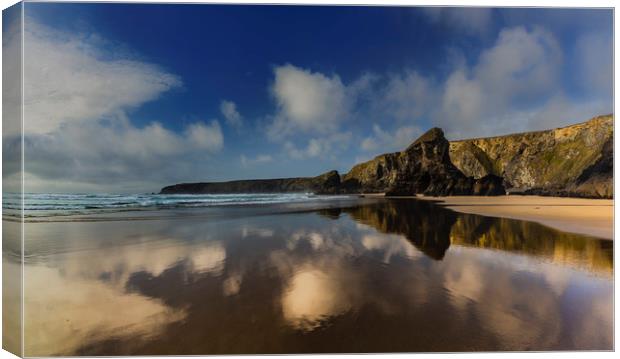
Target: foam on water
(58, 204)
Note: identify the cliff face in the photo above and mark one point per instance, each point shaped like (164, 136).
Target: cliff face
(423, 167)
(326, 183)
(570, 161)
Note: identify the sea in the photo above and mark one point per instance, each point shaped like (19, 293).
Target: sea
(62, 204)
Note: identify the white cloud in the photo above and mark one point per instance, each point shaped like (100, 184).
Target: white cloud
(68, 79)
(77, 131)
(322, 147)
(408, 96)
(521, 63)
(308, 102)
(384, 141)
(231, 114)
(462, 104)
(559, 111)
(205, 137)
(514, 85)
(259, 159)
(93, 153)
(313, 110)
(11, 74)
(469, 19)
(521, 68)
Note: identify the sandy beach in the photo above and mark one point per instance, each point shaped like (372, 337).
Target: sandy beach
(594, 217)
(577, 215)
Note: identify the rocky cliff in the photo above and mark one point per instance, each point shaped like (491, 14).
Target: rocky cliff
(571, 161)
(423, 167)
(327, 183)
(574, 161)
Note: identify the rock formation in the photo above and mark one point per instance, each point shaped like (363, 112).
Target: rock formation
(571, 161)
(423, 167)
(574, 161)
(327, 183)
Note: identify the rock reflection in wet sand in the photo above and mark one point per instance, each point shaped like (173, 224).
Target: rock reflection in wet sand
(388, 275)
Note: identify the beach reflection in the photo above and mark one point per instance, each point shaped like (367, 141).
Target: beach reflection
(432, 229)
(397, 275)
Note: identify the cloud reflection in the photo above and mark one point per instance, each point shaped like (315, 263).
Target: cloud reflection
(311, 296)
(62, 313)
(83, 295)
(280, 283)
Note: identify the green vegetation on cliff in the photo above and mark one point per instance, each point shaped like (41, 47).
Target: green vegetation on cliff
(575, 160)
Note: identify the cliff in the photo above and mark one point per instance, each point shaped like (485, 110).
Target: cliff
(326, 183)
(423, 167)
(574, 161)
(570, 161)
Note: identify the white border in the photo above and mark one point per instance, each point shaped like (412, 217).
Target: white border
(503, 3)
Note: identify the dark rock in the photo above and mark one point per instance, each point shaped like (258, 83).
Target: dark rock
(489, 185)
(425, 167)
(327, 183)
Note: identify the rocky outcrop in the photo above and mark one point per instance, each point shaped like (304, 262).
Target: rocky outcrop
(574, 161)
(327, 183)
(571, 161)
(424, 167)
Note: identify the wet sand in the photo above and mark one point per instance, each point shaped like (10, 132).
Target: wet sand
(592, 217)
(354, 276)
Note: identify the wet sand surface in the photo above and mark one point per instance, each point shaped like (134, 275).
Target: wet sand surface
(373, 275)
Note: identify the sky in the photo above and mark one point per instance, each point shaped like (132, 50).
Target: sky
(126, 98)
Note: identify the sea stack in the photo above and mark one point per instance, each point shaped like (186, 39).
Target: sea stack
(422, 168)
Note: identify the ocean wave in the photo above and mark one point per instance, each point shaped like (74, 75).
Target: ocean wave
(57, 204)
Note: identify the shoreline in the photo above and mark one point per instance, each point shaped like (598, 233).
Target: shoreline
(593, 217)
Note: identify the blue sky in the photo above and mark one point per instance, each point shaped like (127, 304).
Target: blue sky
(138, 96)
